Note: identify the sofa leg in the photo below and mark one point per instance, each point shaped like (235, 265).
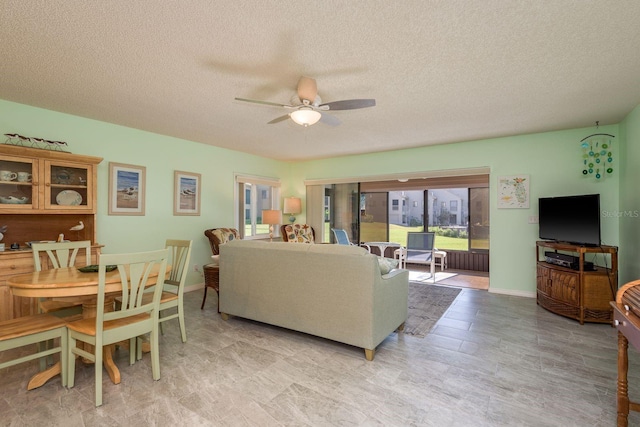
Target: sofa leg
(401, 327)
(224, 316)
(368, 354)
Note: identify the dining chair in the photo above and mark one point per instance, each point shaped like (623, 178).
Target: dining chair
(172, 294)
(60, 255)
(35, 329)
(133, 319)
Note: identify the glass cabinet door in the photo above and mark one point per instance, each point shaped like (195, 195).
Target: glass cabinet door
(68, 186)
(17, 188)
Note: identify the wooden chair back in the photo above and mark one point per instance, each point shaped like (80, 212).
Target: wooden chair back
(298, 233)
(220, 236)
(61, 254)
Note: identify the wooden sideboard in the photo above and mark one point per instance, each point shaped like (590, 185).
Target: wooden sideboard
(51, 192)
(580, 293)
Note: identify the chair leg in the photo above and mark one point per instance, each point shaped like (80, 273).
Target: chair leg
(204, 298)
(42, 346)
(71, 361)
(139, 348)
(433, 270)
(155, 355)
(183, 330)
(132, 351)
(63, 357)
(98, 374)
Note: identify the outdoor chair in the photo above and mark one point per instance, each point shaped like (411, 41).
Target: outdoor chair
(342, 238)
(420, 250)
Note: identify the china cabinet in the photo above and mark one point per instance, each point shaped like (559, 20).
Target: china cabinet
(43, 194)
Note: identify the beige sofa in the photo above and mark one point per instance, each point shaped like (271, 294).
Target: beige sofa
(331, 291)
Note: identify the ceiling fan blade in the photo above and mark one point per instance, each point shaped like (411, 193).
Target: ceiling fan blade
(275, 104)
(329, 119)
(350, 104)
(307, 89)
(278, 119)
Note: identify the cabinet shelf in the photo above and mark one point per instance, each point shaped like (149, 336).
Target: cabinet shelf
(66, 186)
(579, 294)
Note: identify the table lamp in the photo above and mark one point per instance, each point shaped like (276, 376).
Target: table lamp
(271, 217)
(292, 206)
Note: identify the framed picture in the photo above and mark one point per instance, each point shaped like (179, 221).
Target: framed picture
(186, 193)
(126, 189)
(513, 192)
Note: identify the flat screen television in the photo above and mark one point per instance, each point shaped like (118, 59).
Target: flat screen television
(570, 219)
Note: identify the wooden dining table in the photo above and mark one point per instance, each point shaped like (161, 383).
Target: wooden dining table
(71, 285)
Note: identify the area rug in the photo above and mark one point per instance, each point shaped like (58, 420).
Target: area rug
(427, 303)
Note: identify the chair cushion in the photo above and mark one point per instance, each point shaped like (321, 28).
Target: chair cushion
(299, 233)
(224, 235)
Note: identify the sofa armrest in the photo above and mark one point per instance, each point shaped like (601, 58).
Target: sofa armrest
(393, 273)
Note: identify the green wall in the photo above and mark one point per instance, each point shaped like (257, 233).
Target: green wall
(553, 161)
(629, 210)
(161, 155)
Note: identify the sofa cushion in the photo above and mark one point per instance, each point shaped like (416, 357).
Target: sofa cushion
(387, 264)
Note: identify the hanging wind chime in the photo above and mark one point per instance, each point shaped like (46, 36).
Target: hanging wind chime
(597, 155)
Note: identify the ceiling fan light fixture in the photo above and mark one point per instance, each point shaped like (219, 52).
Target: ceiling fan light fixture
(305, 116)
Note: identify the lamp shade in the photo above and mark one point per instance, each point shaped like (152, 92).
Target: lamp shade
(305, 116)
(271, 217)
(292, 205)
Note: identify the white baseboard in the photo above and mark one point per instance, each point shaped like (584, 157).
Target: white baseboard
(194, 287)
(526, 294)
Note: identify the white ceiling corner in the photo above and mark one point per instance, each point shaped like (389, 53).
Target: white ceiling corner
(441, 72)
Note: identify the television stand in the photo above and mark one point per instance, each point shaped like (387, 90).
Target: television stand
(581, 293)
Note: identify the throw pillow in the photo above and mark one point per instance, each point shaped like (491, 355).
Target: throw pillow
(299, 233)
(224, 235)
(387, 264)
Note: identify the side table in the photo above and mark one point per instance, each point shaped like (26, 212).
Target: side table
(211, 280)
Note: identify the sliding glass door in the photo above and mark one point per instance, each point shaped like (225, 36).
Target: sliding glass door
(374, 217)
(341, 207)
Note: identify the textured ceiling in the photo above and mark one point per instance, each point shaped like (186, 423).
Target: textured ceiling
(440, 71)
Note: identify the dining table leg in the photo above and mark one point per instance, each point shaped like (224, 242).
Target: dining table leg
(39, 379)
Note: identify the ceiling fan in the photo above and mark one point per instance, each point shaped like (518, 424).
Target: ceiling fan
(308, 108)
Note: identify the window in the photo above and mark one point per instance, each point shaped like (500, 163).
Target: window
(453, 205)
(394, 204)
(253, 195)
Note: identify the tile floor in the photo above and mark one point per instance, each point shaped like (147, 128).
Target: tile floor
(492, 360)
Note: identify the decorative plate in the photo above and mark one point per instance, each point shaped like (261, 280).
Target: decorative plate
(62, 176)
(94, 268)
(69, 198)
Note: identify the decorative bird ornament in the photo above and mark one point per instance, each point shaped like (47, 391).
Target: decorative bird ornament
(77, 229)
